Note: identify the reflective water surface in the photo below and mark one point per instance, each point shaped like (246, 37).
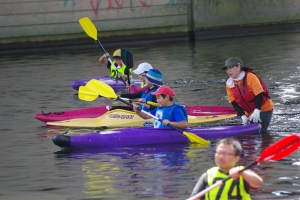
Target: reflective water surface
(32, 167)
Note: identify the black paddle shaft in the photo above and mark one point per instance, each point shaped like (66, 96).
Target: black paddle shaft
(129, 104)
(98, 42)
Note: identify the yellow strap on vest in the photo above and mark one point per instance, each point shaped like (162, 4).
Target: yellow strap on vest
(231, 189)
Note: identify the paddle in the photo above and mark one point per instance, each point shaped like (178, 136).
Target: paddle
(276, 151)
(106, 91)
(90, 29)
(127, 58)
(191, 136)
(88, 94)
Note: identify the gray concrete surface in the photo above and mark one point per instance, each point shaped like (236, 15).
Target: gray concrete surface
(43, 23)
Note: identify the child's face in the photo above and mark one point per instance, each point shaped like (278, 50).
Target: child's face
(148, 84)
(141, 76)
(162, 101)
(118, 61)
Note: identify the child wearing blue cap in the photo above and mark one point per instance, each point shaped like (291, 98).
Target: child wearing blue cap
(153, 81)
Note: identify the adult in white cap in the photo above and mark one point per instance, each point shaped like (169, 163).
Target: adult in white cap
(248, 94)
(141, 70)
(153, 81)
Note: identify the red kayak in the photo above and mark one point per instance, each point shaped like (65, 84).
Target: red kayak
(97, 111)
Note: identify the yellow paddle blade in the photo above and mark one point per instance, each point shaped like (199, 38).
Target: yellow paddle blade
(88, 27)
(86, 94)
(196, 139)
(101, 89)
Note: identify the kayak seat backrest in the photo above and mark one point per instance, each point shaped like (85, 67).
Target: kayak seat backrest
(121, 107)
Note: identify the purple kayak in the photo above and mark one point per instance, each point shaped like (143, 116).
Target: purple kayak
(142, 136)
(116, 84)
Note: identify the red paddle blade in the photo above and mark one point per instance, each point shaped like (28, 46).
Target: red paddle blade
(280, 149)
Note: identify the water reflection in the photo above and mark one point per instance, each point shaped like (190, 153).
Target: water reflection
(111, 171)
(32, 83)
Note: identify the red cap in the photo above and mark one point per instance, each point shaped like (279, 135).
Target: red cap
(164, 90)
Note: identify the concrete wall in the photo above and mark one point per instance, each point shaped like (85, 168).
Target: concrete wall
(223, 18)
(25, 23)
(47, 23)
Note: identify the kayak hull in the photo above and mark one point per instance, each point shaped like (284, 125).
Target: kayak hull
(97, 111)
(142, 136)
(116, 84)
(125, 118)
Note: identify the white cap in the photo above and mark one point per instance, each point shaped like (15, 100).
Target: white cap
(143, 67)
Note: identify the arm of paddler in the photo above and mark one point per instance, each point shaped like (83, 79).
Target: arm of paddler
(103, 60)
(238, 109)
(178, 119)
(258, 100)
(240, 112)
(136, 108)
(181, 124)
(254, 180)
(200, 185)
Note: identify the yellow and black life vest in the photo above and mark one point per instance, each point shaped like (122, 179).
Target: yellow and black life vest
(231, 189)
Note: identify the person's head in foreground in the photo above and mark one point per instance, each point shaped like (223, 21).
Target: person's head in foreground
(228, 152)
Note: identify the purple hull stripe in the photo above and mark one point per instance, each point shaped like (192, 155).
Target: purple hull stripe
(116, 84)
(140, 136)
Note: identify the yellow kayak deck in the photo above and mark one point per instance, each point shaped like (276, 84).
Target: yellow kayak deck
(125, 118)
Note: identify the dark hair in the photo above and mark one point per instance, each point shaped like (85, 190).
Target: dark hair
(247, 69)
(164, 96)
(235, 143)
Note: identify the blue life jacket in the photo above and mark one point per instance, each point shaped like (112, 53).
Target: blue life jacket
(167, 113)
(146, 94)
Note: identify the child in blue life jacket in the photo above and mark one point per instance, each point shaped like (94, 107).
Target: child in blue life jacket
(167, 110)
(228, 152)
(153, 80)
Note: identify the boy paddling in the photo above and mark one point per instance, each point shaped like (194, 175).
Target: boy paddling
(167, 110)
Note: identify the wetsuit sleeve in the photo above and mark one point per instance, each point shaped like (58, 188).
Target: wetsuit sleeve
(132, 96)
(238, 109)
(258, 100)
(200, 185)
(178, 115)
(108, 65)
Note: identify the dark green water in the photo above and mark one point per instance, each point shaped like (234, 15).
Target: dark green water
(32, 167)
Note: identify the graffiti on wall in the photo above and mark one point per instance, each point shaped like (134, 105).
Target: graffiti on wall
(109, 5)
